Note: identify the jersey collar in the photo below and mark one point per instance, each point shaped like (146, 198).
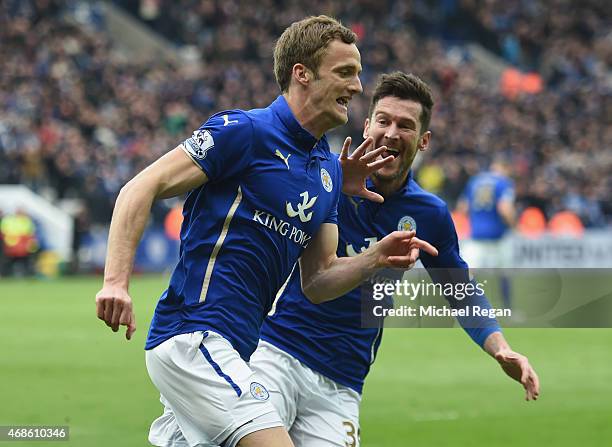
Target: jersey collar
(304, 139)
(400, 192)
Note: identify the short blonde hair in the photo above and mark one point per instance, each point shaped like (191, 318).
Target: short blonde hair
(305, 42)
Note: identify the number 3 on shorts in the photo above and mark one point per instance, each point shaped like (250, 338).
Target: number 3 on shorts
(351, 433)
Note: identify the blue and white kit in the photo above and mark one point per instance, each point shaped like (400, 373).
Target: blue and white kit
(483, 192)
(270, 186)
(329, 337)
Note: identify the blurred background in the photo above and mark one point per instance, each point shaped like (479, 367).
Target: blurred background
(92, 92)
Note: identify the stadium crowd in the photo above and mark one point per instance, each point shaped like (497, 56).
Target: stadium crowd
(78, 118)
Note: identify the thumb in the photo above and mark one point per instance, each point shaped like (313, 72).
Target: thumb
(500, 357)
(370, 195)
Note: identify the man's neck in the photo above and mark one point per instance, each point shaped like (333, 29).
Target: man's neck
(306, 114)
(387, 188)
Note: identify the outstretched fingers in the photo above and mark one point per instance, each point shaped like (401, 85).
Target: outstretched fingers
(360, 151)
(423, 245)
(373, 154)
(345, 148)
(371, 196)
(376, 165)
(531, 384)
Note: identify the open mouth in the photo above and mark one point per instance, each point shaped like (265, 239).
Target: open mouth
(343, 101)
(391, 152)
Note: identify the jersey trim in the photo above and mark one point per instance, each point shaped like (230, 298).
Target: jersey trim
(182, 146)
(218, 244)
(373, 347)
(282, 290)
(218, 369)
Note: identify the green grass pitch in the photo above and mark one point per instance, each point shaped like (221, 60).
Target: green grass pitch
(60, 365)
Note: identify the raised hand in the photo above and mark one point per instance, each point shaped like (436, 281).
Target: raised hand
(400, 249)
(358, 166)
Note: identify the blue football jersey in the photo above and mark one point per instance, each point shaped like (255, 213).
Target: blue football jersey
(328, 337)
(271, 185)
(483, 192)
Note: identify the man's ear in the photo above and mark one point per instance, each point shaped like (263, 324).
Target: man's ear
(423, 144)
(366, 128)
(301, 74)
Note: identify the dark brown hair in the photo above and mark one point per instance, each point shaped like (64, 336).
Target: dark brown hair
(404, 86)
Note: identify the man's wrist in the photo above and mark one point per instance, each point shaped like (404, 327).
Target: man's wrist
(496, 343)
(370, 261)
(116, 282)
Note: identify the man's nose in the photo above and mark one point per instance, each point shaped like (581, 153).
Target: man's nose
(392, 132)
(356, 86)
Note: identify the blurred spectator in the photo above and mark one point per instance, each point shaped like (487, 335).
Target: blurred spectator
(80, 229)
(488, 202)
(20, 243)
(2, 256)
(78, 119)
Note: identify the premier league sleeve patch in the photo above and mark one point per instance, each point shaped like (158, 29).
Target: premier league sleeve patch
(222, 146)
(199, 144)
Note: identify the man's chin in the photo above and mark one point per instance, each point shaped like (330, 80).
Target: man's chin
(342, 118)
(383, 176)
(338, 119)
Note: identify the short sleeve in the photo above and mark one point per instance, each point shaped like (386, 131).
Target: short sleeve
(506, 191)
(332, 217)
(222, 145)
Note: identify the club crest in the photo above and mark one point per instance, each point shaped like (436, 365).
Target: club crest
(259, 392)
(326, 180)
(406, 223)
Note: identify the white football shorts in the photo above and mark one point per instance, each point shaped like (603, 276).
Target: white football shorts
(211, 396)
(316, 411)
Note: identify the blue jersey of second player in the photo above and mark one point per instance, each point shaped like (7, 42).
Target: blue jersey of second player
(271, 185)
(328, 337)
(483, 193)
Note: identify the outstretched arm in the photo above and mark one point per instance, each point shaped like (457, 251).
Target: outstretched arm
(326, 276)
(515, 365)
(173, 174)
(449, 267)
